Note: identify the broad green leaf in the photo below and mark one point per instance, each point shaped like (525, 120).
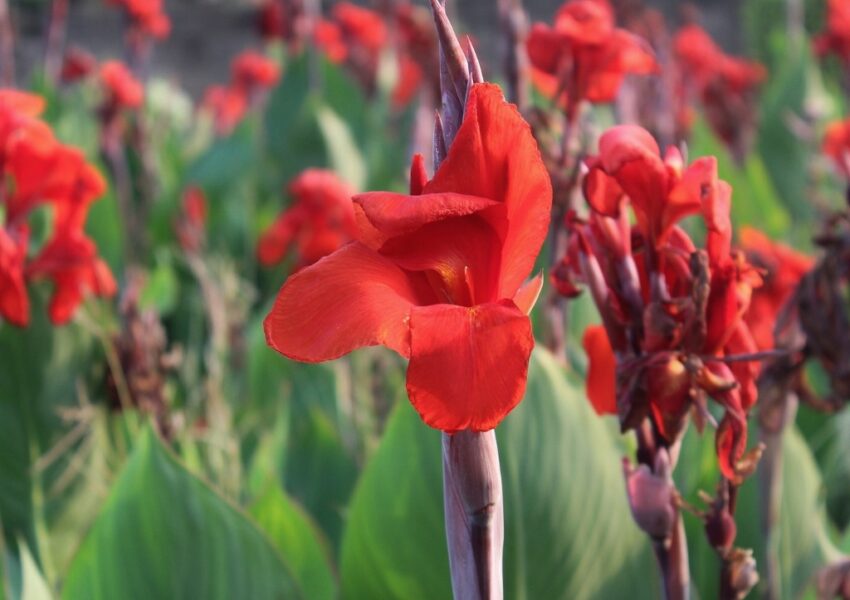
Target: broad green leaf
(35, 587)
(162, 287)
(165, 534)
(345, 159)
(568, 529)
(26, 406)
(786, 156)
(225, 161)
(297, 538)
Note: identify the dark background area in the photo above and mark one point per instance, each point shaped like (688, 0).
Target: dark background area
(206, 35)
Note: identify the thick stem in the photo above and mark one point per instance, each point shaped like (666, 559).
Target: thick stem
(673, 563)
(474, 513)
(563, 202)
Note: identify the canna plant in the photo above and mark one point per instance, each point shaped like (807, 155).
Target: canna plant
(439, 276)
(672, 335)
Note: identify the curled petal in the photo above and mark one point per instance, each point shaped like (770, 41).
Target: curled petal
(468, 365)
(382, 216)
(495, 156)
(349, 299)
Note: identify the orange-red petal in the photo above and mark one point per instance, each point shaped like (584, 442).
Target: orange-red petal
(601, 384)
(468, 365)
(349, 299)
(495, 156)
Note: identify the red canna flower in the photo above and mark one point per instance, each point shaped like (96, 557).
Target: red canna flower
(121, 88)
(70, 260)
(355, 36)
(725, 86)
(836, 145)
(438, 275)
(782, 268)
(584, 56)
(77, 64)
(328, 37)
(251, 71)
(190, 226)
(319, 221)
(362, 28)
(146, 16)
(36, 169)
(14, 301)
(835, 39)
(226, 105)
(671, 313)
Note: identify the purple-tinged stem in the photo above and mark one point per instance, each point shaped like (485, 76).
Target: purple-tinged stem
(7, 46)
(55, 39)
(517, 67)
(474, 514)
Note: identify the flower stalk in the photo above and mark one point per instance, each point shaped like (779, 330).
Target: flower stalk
(474, 515)
(472, 481)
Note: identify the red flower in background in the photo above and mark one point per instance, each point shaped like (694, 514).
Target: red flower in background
(417, 53)
(36, 169)
(670, 312)
(70, 261)
(77, 64)
(191, 225)
(836, 145)
(14, 301)
(782, 268)
(438, 275)
(584, 56)
(121, 88)
(251, 71)
(725, 86)
(251, 74)
(355, 36)
(318, 222)
(146, 16)
(835, 39)
(226, 105)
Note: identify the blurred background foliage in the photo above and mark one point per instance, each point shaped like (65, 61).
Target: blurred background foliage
(279, 479)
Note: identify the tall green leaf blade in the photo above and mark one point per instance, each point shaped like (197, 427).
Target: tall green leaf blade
(165, 534)
(568, 530)
(298, 540)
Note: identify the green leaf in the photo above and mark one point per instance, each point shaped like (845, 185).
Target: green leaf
(29, 400)
(345, 158)
(162, 288)
(298, 540)
(165, 534)
(568, 529)
(34, 585)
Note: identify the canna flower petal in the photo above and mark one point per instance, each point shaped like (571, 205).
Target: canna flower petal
(349, 299)
(382, 216)
(468, 365)
(495, 156)
(14, 301)
(601, 383)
